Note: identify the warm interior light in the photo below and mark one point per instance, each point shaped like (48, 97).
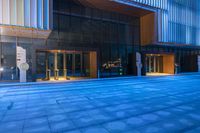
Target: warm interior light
(1, 69)
(157, 74)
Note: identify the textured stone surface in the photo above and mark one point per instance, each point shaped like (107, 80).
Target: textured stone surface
(120, 105)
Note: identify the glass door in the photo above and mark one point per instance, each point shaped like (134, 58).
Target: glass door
(60, 64)
(77, 65)
(150, 64)
(154, 64)
(51, 65)
(41, 65)
(69, 62)
(56, 65)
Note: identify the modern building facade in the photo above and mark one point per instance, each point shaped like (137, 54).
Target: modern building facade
(68, 39)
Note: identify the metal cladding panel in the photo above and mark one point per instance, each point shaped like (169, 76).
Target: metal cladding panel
(33, 13)
(20, 12)
(6, 11)
(26, 13)
(1, 12)
(178, 20)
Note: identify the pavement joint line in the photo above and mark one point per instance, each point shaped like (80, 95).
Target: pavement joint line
(118, 119)
(86, 80)
(152, 123)
(174, 117)
(191, 128)
(49, 125)
(63, 89)
(54, 91)
(107, 97)
(86, 84)
(63, 82)
(155, 98)
(123, 103)
(10, 106)
(177, 98)
(77, 88)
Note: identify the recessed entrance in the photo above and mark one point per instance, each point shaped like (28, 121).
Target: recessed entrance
(159, 64)
(66, 65)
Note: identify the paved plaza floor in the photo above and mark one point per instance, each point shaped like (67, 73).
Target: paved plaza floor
(166, 104)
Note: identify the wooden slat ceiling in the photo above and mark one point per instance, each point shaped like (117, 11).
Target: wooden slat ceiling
(110, 5)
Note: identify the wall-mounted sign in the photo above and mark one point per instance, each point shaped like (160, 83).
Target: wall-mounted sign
(21, 63)
(139, 64)
(21, 56)
(24, 66)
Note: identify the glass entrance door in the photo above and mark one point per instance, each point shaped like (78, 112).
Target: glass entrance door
(69, 63)
(78, 64)
(50, 62)
(60, 65)
(154, 64)
(64, 64)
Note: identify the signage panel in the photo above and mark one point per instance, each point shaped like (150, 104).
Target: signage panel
(21, 63)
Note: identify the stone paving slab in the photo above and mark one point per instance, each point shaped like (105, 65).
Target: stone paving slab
(119, 105)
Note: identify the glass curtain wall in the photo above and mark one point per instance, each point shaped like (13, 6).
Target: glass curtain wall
(27, 13)
(112, 34)
(178, 20)
(8, 69)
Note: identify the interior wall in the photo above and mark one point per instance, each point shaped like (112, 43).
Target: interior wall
(168, 64)
(148, 29)
(93, 64)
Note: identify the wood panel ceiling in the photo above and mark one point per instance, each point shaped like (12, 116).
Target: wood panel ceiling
(110, 5)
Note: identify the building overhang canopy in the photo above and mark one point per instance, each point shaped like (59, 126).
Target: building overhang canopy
(111, 5)
(18, 31)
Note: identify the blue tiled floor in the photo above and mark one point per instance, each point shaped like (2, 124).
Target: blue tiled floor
(121, 105)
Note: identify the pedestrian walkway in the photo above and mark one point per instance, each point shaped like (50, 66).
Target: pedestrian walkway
(119, 105)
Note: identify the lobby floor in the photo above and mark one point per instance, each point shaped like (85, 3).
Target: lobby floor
(158, 74)
(119, 105)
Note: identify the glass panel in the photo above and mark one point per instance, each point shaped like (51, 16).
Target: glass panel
(51, 63)
(41, 65)
(78, 66)
(69, 64)
(154, 64)
(20, 12)
(105, 58)
(60, 64)
(115, 64)
(86, 65)
(8, 61)
(40, 13)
